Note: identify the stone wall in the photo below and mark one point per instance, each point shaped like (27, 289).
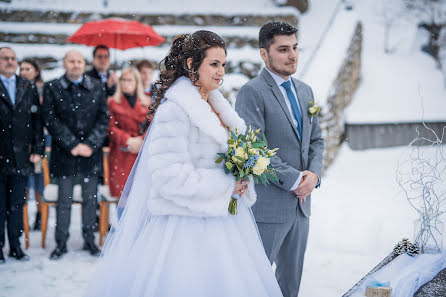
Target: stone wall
(61, 39)
(70, 17)
(368, 136)
(344, 87)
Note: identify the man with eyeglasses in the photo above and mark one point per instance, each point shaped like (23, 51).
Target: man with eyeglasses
(76, 116)
(21, 145)
(101, 72)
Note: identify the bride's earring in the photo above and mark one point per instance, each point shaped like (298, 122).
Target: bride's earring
(221, 81)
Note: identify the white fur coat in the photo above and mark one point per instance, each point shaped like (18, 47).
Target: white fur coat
(185, 139)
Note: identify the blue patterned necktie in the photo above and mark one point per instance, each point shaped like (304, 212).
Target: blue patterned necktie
(294, 107)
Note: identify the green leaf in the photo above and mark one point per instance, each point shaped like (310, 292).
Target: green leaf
(246, 171)
(219, 160)
(222, 155)
(257, 145)
(229, 165)
(256, 179)
(264, 139)
(234, 137)
(273, 176)
(240, 158)
(230, 141)
(226, 170)
(263, 179)
(238, 177)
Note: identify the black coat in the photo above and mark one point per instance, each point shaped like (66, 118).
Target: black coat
(75, 114)
(21, 132)
(95, 74)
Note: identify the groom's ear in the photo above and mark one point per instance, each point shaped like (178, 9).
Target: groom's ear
(264, 54)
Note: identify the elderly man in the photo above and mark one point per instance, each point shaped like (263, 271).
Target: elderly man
(21, 145)
(76, 116)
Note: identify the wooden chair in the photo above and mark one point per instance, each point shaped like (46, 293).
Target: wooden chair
(26, 224)
(105, 200)
(49, 197)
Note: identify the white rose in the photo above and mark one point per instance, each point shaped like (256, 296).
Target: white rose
(260, 166)
(239, 152)
(312, 110)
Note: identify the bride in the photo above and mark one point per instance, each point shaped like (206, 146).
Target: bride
(175, 236)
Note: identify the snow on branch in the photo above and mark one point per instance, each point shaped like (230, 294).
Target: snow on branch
(422, 177)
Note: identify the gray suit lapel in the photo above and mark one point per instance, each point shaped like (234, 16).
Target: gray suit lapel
(279, 97)
(303, 102)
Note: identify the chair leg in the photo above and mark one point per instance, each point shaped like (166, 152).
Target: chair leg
(26, 225)
(44, 222)
(103, 221)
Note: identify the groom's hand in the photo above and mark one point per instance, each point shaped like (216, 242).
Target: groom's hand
(306, 186)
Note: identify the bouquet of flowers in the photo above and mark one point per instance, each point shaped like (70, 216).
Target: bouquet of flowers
(248, 155)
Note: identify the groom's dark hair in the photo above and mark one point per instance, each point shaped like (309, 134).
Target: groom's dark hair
(271, 29)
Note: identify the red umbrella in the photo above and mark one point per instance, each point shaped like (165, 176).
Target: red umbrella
(116, 33)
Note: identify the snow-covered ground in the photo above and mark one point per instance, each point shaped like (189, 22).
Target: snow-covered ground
(359, 213)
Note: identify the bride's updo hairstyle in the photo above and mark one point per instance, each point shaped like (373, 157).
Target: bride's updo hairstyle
(174, 65)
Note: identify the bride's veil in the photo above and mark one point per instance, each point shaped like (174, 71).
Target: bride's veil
(132, 215)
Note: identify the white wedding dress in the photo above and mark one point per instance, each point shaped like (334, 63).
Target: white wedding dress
(186, 256)
(149, 255)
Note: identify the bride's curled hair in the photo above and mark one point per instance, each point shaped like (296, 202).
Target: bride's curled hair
(174, 65)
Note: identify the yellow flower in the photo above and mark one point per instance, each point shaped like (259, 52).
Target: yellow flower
(260, 166)
(253, 151)
(313, 109)
(240, 152)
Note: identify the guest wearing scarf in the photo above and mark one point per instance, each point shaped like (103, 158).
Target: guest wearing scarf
(128, 123)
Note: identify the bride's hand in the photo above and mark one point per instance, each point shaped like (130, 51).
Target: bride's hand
(241, 187)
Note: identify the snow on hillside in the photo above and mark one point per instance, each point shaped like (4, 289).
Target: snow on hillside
(392, 85)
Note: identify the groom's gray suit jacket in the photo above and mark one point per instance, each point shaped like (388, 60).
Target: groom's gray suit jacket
(261, 104)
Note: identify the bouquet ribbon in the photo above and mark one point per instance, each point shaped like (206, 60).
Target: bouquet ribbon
(375, 284)
(233, 204)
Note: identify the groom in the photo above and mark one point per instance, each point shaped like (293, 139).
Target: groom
(278, 105)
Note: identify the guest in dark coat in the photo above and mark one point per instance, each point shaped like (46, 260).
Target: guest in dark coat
(21, 145)
(29, 69)
(128, 123)
(146, 68)
(76, 116)
(101, 72)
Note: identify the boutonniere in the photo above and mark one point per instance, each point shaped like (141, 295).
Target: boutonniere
(314, 110)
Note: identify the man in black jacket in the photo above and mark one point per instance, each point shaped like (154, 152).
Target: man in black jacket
(76, 116)
(21, 145)
(101, 72)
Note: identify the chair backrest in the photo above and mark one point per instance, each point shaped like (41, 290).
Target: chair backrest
(50, 193)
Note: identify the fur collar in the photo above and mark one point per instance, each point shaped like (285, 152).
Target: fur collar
(186, 95)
